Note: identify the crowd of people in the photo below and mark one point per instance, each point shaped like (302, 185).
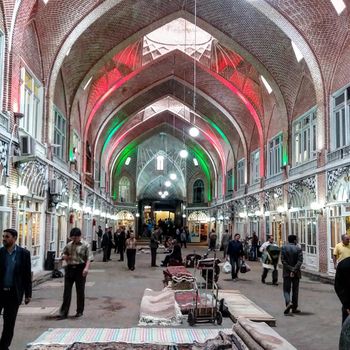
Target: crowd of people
(16, 284)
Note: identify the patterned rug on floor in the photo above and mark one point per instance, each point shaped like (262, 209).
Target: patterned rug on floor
(63, 338)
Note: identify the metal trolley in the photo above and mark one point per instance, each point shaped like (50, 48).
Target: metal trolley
(205, 304)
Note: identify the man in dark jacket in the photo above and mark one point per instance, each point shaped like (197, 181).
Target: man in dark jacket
(342, 286)
(292, 259)
(236, 253)
(15, 281)
(121, 244)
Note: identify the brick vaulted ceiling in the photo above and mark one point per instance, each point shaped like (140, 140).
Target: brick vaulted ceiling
(258, 31)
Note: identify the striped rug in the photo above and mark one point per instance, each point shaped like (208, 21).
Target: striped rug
(137, 335)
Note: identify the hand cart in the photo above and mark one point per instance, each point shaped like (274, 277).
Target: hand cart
(205, 304)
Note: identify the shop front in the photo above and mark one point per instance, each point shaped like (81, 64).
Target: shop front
(198, 225)
(337, 209)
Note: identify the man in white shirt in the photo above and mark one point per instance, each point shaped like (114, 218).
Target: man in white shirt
(270, 254)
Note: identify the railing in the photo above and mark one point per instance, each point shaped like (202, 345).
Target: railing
(254, 187)
(4, 121)
(338, 154)
(303, 167)
(274, 179)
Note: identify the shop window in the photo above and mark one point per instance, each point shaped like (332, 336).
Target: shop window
(88, 159)
(2, 60)
(304, 138)
(340, 130)
(60, 135)
(31, 105)
(255, 167)
(240, 173)
(230, 182)
(124, 189)
(198, 191)
(275, 155)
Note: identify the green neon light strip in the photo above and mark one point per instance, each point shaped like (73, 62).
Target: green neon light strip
(220, 132)
(111, 133)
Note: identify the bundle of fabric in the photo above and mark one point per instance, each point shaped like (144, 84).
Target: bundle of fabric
(259, 336)
(179, 277)
(159, 308)
(186, 299)
(222, 341)
(124, 346)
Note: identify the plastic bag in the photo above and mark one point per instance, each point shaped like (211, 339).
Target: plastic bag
(226, 268)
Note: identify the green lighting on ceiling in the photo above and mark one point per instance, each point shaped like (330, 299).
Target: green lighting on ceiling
(220, 132)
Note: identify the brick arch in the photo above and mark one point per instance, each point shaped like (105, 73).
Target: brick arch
(17, 22)
(310, 58)
(145, 91)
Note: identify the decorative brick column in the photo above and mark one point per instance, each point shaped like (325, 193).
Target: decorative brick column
(322, 224)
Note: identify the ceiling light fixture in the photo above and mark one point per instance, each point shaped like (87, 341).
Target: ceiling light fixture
(173, 176)
(127, 162)
(195, 162)
(194, 132)
(183, 153)
(167, 183)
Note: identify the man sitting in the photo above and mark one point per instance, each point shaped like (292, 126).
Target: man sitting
(174, 258)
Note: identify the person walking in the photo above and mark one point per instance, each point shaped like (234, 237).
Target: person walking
(15, 282)
(99, 234)
(236, 254)
(254, 248)
(154, 242)
(341, 250)
(183, 238)
(105, 244)
(212, 240)
(121, 244)
(77, 255)
(226, 237)
(110, 245)
(131, 245)
(270, 255)
(342, 286)
(292, 259)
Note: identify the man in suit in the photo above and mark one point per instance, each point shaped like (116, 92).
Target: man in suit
(292, 259)
(15, 281)
(342, 286)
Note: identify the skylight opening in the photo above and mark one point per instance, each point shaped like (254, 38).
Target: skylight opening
(195, 162)
(87, 84)
(339, 5)
(178, 34)
(297, 52)
(160, 163)
(127, 162)
(266, 84)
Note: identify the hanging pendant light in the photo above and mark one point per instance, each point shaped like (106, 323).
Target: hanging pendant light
(184, 153)
(173, 176)
(194, 132)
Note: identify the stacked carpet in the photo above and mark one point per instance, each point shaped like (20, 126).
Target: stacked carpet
(179, 277)
(65, 338)
(159, 308)
(259, 336)
(240, 306)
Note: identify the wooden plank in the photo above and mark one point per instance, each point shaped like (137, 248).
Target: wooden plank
(240, 306)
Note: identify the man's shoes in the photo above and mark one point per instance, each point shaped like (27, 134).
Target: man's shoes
(296, 311)
(275, 283)
(154, 266)
(61, 317)
(289, 306)
(78, 314)
(263, 280)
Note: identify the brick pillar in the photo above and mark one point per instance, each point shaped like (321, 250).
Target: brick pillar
(322, 224)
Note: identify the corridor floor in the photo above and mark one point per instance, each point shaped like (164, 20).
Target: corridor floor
(113, 295)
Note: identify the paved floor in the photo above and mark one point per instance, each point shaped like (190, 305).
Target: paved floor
(114, 294)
